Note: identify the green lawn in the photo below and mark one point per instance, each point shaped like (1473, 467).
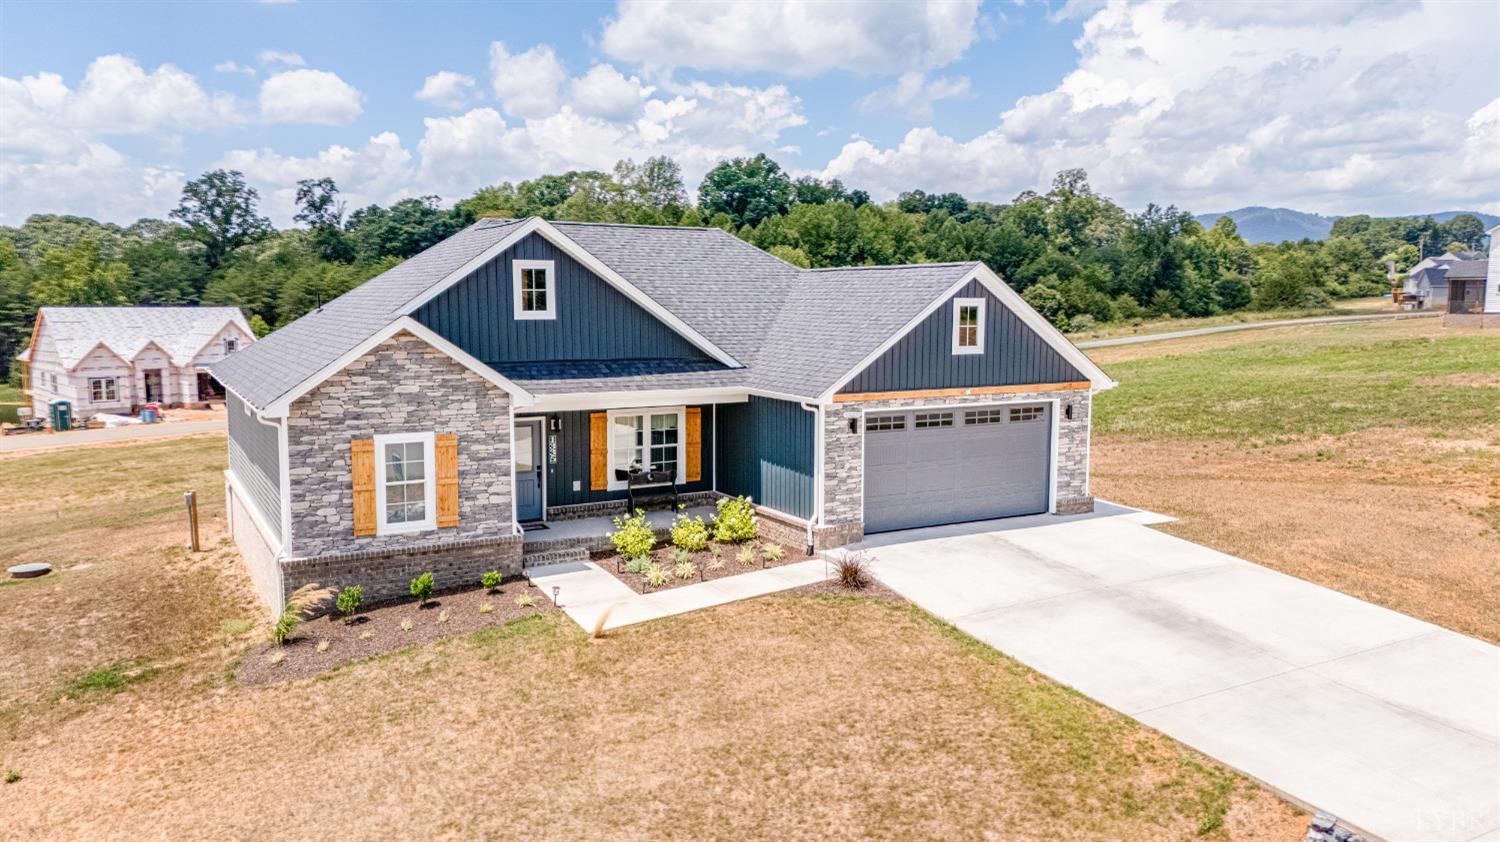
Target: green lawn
(1335, 381)
(11, 394)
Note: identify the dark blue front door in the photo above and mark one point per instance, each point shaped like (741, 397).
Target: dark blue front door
(529, 470)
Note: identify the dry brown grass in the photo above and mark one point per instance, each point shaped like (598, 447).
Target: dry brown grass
(785, 717)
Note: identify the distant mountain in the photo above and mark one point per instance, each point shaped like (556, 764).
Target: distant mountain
(1272, 225)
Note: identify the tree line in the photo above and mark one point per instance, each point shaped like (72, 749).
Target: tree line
(1074, 254)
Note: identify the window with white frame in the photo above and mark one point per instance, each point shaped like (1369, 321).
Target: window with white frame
(647, 440)
(968, 325)
(102, 389)
(405, 492)
(535, 289)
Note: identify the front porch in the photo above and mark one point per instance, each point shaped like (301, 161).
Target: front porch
(591, 534)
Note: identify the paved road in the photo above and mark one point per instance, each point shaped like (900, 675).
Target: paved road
(54, 441)
(1205, 331)
(1388, 722)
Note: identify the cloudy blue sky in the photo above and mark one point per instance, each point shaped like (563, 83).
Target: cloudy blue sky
(1340, 107)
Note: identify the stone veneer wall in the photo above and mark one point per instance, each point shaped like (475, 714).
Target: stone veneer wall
(843, 456)
(402, 386)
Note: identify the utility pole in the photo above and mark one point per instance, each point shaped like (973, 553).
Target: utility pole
(1421, 247)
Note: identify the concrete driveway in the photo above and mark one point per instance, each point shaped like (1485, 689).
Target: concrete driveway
(1388, 722)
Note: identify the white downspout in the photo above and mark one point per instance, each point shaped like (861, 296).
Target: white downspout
(817, 518)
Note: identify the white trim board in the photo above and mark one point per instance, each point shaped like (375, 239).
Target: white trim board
(574, 401)
(536, 225)
(279, 407)
(1008, 297)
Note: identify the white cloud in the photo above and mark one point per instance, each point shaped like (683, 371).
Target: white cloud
(447, 89)
(379, 172)
(233, 67)
(913, 94)
(1337, 108)
(281, 57)
(604, 92)
(309, 96)
(528, 84)
(790, 37)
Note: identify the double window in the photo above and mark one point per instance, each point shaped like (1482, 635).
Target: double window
(647, 440)
(405, 494)
(968, 325)
(535, 287)
(102, 389)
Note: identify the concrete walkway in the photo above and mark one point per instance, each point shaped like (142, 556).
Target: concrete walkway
(587, 591)
(1388, 722)
(56, 441)
(1205, 331)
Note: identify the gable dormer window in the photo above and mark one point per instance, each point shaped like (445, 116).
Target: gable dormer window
(535, 283)
(230, 344)
(968, 325)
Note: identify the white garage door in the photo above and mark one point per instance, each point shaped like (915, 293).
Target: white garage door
(933, 466)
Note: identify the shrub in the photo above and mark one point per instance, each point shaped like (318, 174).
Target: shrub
(486, 608)
(1081, 322)
(407, 624)
(638, 564)
(850, 569)
(685, 570)
(679, 555)
(735, 520)
(655, 575)
(421, 587)
(633, 537)
(689, 533)
(491, 580)
(304, 600)
(746, 554)
(349, 600)
(11, 776)
(322, 646)
(277, 657)
(715, 561)
(774, 552)
(525, 600)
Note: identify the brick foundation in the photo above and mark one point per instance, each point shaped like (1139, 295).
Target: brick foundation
(386, 574)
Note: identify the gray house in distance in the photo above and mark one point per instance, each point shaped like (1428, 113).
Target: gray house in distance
(523, 371)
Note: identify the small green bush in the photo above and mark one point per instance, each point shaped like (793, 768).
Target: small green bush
(685, 570)
(638, 564)
(525, 601)
(491, 580)
(735, 520)
(746, 555)
(774, 552)
(679, 555)
(689, 533)
(421, 587)
(349, 600)
(655, 575)
(633, 537)
(11, 776)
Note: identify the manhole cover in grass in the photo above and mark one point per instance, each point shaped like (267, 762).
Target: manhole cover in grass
(29, 571)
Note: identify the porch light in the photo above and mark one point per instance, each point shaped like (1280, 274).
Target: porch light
(554, 423)
(1069, 412)
(853, 425)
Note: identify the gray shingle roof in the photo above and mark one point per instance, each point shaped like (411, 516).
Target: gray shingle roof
(1468, 270)
(795, 331)
(179, 331)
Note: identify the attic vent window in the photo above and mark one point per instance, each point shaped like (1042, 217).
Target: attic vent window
(968, 325)
(535, 289)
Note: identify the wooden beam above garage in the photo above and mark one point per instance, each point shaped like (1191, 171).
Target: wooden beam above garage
(1081, 385)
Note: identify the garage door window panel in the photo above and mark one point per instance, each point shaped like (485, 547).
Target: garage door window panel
(932, 420)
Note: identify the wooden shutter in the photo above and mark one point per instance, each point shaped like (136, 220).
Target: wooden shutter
(598, 451)
(694, 443)
(447, 480)
(362, 467)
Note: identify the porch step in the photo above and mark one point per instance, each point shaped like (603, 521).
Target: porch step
(554, 556)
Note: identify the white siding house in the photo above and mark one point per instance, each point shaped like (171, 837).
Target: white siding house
(116, 359)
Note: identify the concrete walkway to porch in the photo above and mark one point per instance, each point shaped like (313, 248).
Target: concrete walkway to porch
(587, 591)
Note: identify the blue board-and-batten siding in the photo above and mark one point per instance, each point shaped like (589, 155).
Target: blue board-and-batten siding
(595, 321)
(766, 452)
(1014, 354)
(255, 458)
(571, 442)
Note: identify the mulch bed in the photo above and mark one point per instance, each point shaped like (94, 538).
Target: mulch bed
(873, 589)
(614, 564)
(377, 630)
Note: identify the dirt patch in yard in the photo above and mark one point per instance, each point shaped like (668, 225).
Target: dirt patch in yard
(1406, 521)
(328, 641)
